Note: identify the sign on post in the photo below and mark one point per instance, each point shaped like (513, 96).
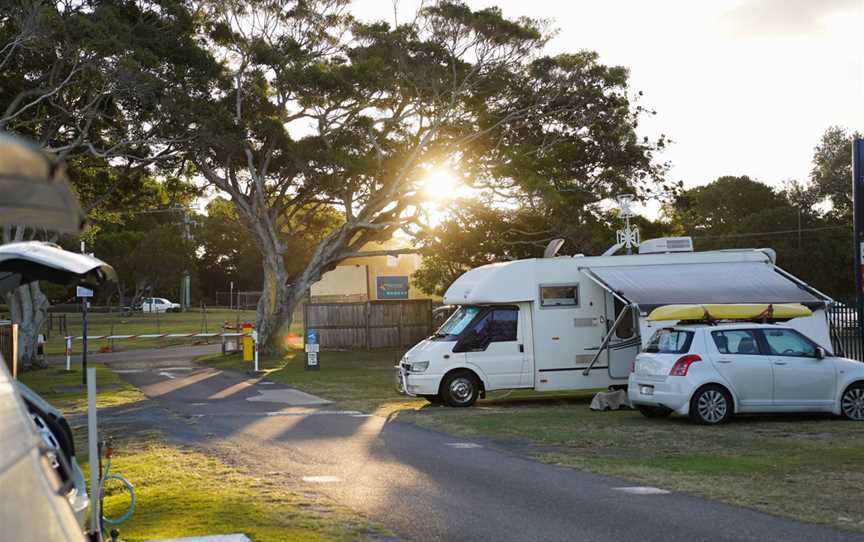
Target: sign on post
(81, 291)
(312, 350)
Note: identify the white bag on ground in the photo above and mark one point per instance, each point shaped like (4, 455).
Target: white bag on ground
(610, 400)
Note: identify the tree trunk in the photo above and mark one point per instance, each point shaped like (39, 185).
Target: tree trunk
(29, 309)
(273, 318)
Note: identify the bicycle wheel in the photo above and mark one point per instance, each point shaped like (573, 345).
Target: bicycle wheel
(118, 495)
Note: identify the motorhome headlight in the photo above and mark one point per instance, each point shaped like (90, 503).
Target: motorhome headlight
(419, 366)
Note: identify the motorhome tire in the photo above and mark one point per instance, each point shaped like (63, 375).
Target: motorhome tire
(711, 405)
(654, 412)
(460, 389)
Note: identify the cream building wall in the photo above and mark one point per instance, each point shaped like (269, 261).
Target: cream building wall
(358, 279)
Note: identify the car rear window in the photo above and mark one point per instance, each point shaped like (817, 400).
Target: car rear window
(670, 341)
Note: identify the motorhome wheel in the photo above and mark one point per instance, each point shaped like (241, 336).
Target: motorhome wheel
(460, 389)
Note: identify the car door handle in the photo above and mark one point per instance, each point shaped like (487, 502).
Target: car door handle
(724, 361)
(780, 363)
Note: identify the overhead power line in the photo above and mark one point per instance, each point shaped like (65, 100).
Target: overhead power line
(769, 233)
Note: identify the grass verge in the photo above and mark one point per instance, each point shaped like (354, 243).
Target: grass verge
(182, 492)
(64, 389)
(809, 468)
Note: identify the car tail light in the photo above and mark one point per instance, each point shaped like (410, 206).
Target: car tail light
(683, 365)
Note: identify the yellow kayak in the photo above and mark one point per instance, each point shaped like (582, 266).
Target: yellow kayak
(740, 311)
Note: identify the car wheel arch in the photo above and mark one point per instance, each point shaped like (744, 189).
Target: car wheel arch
(858, 380)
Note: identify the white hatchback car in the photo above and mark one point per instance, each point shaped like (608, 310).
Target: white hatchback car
(158, 304)
(710, 372)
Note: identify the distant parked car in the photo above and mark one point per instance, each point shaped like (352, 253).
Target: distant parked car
(158, 304)
(711, 372)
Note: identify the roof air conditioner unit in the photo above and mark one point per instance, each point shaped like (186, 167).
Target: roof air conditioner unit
(666, 244)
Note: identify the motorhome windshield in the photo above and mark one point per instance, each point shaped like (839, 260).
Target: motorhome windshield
(457, 321)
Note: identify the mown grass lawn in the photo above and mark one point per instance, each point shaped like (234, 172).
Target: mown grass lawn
(182, 492)
(138, 323)
(809, 468)
(64, 389)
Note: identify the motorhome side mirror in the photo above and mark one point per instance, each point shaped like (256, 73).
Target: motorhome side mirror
(820, 352)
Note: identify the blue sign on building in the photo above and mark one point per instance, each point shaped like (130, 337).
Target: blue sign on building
(392, 287)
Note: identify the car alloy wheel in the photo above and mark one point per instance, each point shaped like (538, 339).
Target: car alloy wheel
(711, 405)
(852, 403)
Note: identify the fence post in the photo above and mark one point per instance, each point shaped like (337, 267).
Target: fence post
(305, 322)
(368, 309)
(429, 322)
(401, 318)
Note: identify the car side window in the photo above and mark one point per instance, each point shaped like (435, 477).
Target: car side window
(498, 325)
(787, 342)
(736, 341)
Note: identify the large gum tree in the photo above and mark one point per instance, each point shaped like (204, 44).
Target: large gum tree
(320, 112)
(103, 78)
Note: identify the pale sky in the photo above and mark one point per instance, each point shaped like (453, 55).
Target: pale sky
(741, 87)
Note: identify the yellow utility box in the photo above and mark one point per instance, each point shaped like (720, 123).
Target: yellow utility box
(248, 348)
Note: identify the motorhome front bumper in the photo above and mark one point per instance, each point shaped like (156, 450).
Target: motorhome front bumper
(401, 376)
(416, 384)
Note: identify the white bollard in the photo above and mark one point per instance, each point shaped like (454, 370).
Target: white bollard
(255, 347)
(92, 437)
(68, 353)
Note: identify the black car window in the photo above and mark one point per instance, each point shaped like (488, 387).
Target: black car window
(736, 341)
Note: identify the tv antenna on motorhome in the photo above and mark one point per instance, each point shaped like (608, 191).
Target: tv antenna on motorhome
(629, 236)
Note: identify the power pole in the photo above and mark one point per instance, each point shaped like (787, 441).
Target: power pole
(858, 221)
(186, 280)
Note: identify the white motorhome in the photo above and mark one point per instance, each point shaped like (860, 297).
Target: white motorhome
(577, 322)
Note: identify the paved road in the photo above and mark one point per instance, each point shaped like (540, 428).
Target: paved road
(424, 485)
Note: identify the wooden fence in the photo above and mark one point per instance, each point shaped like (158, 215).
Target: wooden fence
(369, 324)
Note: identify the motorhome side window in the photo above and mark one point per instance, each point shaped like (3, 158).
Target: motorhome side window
(559, 295)
(498, 325)
(627, 327)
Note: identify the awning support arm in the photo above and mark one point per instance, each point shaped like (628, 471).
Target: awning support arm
(625, 312)
(588, 273)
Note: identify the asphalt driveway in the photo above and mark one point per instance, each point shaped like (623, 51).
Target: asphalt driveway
(421, 484)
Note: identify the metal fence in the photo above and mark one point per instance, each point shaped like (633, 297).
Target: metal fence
(370, 324)
(846, 336)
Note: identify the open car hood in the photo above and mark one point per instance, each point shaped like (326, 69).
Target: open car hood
(21, 263)
(34, 190)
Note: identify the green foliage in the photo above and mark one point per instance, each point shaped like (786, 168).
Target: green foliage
(832, 170)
